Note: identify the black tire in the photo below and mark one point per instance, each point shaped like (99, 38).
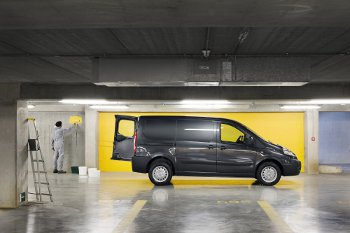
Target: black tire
(163, 167)
(265, 167)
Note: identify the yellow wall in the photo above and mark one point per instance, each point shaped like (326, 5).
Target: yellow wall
(286, 129)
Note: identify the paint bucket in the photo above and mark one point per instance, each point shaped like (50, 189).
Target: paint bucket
(75, 170)
(95, 173)
(91, 171)
(82, 171)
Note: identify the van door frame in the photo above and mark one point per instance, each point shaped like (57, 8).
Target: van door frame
(121, 139)
(240, 163)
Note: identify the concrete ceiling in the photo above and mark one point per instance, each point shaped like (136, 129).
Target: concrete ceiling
(55, 41)
(53, 14)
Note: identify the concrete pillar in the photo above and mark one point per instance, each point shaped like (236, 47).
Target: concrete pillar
(91, 137)
(13, 147)
(311, 142)
(22, 150)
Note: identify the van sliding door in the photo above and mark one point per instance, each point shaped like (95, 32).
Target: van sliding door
(125, 129)
(196, 146)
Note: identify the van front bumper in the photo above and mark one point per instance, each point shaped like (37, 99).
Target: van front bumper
(292, 169)
(140, 164)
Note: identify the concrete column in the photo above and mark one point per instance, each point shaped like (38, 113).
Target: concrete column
(13, 146)
(22, 150)
(91, 137)
(311, 142)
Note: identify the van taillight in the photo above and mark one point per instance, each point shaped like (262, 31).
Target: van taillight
(135, 142)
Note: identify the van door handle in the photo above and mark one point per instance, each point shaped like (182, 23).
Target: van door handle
(210, 147)
(222, 147)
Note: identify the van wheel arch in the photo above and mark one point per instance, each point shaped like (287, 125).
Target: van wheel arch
(161, 158)
(272, 161)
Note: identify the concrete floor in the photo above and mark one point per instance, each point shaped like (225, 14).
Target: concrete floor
(128, 202)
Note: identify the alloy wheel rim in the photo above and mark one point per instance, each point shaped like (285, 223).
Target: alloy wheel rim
(160, 173)
(269, 174)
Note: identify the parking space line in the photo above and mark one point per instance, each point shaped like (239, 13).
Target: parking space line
(276, 219)
(130, 216)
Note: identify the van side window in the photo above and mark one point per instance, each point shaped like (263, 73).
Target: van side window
(126, 128)
(195, 130)
(159, 129)
(229, 133)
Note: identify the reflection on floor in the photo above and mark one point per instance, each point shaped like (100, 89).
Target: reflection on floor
(128, 202)
(344, 166)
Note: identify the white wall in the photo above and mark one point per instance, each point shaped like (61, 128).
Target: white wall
(74, 141)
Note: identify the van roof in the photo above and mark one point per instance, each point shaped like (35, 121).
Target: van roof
(190, 117)
(203, 118)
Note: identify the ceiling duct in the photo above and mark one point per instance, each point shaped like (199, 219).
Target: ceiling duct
(237, 71)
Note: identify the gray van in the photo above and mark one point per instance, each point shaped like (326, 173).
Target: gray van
(163, 146)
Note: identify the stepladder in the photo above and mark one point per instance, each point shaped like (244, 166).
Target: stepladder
(40, 177)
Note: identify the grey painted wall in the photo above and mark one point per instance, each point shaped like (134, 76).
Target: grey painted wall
(74, 141)
(334, 134)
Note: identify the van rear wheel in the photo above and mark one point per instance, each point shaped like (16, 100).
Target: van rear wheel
(160, 172)
(268, 174)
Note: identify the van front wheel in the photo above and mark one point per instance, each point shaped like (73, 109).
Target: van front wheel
(268, 174)
(160, 173)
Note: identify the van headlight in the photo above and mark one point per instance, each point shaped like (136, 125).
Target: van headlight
(289, 153)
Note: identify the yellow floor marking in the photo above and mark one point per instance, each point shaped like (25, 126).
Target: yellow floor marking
(129, 218)
(277, 220)
(234, 202)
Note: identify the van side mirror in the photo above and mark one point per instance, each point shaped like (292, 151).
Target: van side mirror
(249, 140)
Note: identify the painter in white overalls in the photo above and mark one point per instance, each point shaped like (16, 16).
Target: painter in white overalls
(58, 146)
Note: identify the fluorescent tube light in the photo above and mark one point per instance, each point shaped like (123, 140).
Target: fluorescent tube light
(212, 106)
(85, 101)
(208, 106)
(292, 107)
(264, 84)
(30, 106)
(109, 107)
(198, 84)
(202, 84)
(329, 101)
(204, 102)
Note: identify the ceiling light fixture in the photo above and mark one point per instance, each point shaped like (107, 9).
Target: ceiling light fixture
(329, 101)
(208, 106)
(202, 84)
(300, 107)
(205, 102)
(212, 106)
(86, 101)
(30, 106)
(263, 84)
(109, 107)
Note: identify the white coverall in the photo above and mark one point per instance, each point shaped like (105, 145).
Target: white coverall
(58, 146)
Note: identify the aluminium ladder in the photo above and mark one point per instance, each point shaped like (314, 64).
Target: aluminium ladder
(38, 165)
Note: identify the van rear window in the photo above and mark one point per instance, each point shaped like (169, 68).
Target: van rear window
(159, 129)
(193, 130)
